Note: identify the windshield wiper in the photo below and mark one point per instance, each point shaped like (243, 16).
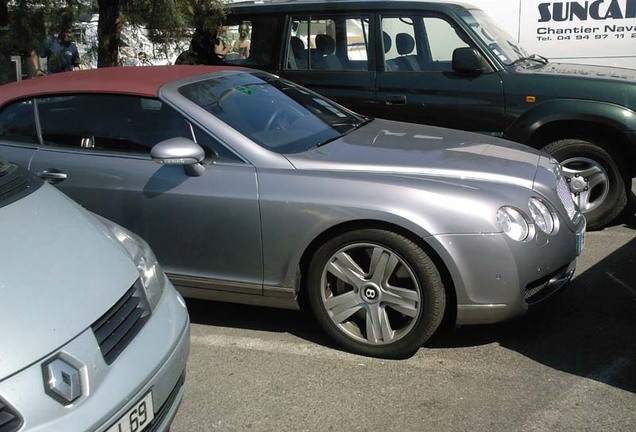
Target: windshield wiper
(533, 57)
(353, 127)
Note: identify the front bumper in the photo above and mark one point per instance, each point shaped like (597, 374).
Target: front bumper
(496, 278)
(154, 361)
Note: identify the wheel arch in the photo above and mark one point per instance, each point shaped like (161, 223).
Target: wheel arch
(602, 134)
(608, 124)
(450, 313)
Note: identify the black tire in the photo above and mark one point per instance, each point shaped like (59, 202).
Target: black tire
(596, 181)
(383, 277)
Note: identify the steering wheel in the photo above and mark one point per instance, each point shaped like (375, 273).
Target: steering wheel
(274, 118)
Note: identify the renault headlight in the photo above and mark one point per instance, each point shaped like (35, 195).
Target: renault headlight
(150, 272)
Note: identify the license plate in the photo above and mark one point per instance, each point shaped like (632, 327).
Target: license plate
(580, 242)
(137, 418)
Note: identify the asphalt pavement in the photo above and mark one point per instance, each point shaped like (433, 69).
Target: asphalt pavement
(569, 365)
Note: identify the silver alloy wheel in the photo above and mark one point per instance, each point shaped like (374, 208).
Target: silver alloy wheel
(588, 182)
(370, 293)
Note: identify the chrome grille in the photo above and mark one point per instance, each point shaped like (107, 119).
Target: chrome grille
(119, 326)
(563, 190)
(10, 420)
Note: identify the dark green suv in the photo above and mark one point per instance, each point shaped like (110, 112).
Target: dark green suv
(449, 65)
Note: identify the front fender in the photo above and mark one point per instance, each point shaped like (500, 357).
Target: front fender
(610, 115)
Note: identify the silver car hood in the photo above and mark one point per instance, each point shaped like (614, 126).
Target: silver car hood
(390, 147)
(59, 272)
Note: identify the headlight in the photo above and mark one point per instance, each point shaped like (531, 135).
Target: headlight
(541, 215)
(513, 223)
(150, 273)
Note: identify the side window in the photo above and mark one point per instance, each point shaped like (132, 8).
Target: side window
(399, 38)
(17, 123)
(233, 42)
(250, 42)
(239, 40)
(214, 150)
(338, 43)
(443, 39)
(126, 124)
(413, 43)
(357, 37)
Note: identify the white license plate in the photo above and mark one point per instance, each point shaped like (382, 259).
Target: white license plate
(137, 418)
(580, 242)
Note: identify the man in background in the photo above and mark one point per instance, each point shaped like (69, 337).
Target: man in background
(61, 54)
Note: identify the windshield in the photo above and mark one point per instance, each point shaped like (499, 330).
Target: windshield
(275, 113)
(499, 42)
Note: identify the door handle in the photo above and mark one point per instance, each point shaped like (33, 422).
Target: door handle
(395, 100)
(52, 176)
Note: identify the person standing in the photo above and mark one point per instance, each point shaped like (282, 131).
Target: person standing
(242, 44)
(61, 54)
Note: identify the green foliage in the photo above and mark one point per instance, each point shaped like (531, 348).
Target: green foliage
(170, 20)
(167, 21)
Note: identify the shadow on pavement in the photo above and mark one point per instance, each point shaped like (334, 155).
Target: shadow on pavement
(588, 330)
(229, 315)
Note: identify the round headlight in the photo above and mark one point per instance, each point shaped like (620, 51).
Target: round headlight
(513, 223)
(541, 215)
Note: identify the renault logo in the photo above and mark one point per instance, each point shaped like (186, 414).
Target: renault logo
(62, 381)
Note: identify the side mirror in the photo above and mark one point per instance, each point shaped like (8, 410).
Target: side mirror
(468, 60)
(180, 151)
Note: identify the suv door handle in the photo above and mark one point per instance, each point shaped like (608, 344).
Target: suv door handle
(52, 176)
(395, 100)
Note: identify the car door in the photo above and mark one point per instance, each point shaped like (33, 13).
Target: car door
(18, 133)
(206, 228)
(331, 53)
(417, 83)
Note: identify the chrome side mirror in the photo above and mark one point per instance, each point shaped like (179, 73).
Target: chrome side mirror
(180, 151)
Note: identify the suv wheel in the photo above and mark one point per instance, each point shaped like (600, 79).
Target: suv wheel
(596, 182)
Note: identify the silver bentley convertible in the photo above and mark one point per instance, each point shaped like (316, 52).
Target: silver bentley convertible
(252, 189)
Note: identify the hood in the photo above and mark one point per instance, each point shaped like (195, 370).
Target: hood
(389, 147)
(59, 272)
(570, 81)
(579, 71)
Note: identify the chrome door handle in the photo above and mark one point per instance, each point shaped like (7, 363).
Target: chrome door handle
(395, 100)
(52, 176)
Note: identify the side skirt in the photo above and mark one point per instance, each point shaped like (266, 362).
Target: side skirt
(207, 289)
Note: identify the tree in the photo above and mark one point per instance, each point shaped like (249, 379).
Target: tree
(108, 32)
(166, 21)
(30, 21)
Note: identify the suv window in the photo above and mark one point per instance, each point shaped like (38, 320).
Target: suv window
(17, 123)
(250, 42)
(415, 43)
(328, 43)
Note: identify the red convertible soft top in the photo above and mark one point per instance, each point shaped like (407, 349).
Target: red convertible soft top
(142, 81)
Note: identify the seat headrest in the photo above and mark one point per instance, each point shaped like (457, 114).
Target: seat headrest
(325, 44)
(404, 43)
(386, 40)
(297, 45)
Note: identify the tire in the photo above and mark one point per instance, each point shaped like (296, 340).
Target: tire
(598, 187)
(376, 293)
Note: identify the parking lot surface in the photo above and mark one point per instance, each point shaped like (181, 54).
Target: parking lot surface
(568, 365)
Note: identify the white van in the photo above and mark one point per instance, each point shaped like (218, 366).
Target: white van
(600, 32)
